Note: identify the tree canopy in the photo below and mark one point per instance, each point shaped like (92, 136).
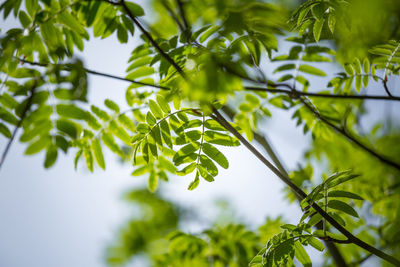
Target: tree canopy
(204, 74)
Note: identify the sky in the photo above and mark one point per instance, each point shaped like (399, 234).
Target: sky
(62, 217)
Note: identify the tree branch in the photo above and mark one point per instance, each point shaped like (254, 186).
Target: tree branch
(353, 239)
(24, 112)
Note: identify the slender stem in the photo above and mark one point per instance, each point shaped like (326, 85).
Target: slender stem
(23, 115)
(387, 89)
(182, 13)
(351, 238)
(350, 137)
(98, 73)
(296, 93)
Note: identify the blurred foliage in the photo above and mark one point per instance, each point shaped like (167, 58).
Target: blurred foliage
(190, 60)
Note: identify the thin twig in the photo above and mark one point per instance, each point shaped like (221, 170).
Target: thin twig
(24, 112)
(345, 133)
(296, 94)
(98, 73)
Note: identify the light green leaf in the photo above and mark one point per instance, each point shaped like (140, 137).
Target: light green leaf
(215, 155)
(342, 206)
(311, 70)
(98, 153)
(301, 254)
(317, 29)
(155, 109)
(153, 182)
(345, 194)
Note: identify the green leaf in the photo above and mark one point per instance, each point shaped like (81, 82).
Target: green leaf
(213, 125)
(349, 69)
(166, 133)
(24, 19)
(186, 150)
(112, 105)
(89, 159)
(122, 34)
(220, 139)
(188, 169)
(345, 194)
(140, 171)
(204, 173)
(135, 9)
(150, 119)
(311, 70)
(358, 83)
(215, 155)
(37, 146)
(195, 182)
(332, 22)
(207, 163)
(301, 254)
(51, 156)
(156, 135)
(163, 104)
(208, 33)
(98, 153)
(119, 132)
(109, 141)
(4, 130)
(317, 29)
(153, 182)
(316, 243)
(140, 72)
(155, 109)
(342, 206)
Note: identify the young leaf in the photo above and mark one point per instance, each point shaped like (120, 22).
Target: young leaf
(204, 173)
(316, 243)
(188, 169)
(220, 139)
(342, 206)
(215, 155)
(301, 254)
(317, 29)
(98, 153)
(163, 104)
(195, 182)
(135, 9)
(153, 182)
(155, 109)
(311, 70)
(345, 194)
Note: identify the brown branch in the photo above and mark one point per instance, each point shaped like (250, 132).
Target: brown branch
(353, 239)
(23, 115)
